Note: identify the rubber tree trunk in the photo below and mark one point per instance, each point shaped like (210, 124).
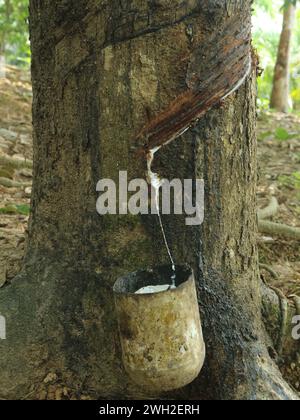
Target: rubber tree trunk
(280, 99)
(99, 71)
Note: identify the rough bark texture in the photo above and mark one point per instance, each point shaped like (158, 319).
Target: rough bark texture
(100, 70)
(280, 99)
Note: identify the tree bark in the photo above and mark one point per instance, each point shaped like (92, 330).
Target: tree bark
(99, 71)
(280, 99)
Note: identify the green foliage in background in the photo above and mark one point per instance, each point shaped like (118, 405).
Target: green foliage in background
(295, 64)
(266, 33)
(14, 39)
(290, 181)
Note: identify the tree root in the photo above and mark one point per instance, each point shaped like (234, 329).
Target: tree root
(284, 309)
(296, 300)
(270, 270)
(268, 211)
(16, 163)
(279, 229)
(284, 315)
(271, 386)
(271, 228)
(8, 183)
(278, 313)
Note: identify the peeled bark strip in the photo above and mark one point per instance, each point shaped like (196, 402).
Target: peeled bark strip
(281, 85)
(101, 70)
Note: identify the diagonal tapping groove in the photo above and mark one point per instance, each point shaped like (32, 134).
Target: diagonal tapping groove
(213, 74)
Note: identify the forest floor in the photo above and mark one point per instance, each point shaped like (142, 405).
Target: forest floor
(279, 176)
(16, 143)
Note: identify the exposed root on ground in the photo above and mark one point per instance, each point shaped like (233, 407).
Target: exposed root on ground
(9, 183)
(272, 228)
(16, 163)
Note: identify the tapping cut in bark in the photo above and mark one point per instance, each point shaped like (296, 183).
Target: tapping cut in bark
(270, 210)
(227, 64)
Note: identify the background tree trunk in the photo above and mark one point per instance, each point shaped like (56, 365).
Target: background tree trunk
(99, 70)
(280, 99)
(7, 13)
